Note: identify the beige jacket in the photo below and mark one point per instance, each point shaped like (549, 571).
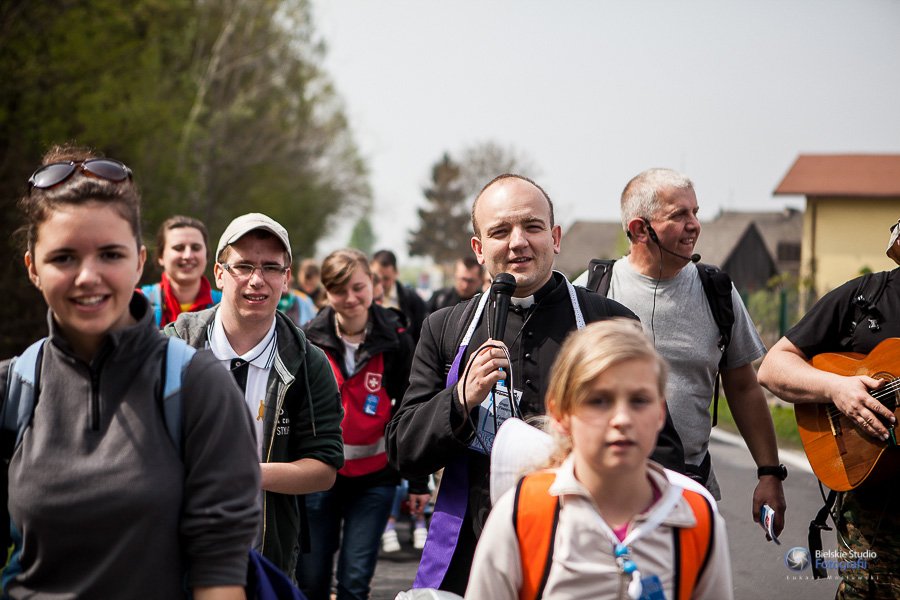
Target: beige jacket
(583, 563)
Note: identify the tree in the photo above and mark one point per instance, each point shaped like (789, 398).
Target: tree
(482, 162)
(220, 108)
(445, 224)
(363, 237)
(265, 127)
(444, 230)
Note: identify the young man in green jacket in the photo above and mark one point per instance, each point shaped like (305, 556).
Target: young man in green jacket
(288, 385)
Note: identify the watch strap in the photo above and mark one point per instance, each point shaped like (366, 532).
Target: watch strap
(779, 471)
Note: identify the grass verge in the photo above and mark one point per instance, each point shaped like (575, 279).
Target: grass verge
(782, 417)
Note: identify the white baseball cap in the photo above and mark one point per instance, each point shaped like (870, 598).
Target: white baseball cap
(244, 224)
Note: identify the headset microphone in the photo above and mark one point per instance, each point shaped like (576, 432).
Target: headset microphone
(694, 258)
(503, 287)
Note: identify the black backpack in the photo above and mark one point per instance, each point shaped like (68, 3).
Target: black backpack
(717, 286)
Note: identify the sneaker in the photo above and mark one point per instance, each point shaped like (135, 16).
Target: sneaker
(420, 534)
(389, 541)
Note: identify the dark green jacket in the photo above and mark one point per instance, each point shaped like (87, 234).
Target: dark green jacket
(302, 392)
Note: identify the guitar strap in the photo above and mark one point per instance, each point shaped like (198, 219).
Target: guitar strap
(815, 533)
(863, 306)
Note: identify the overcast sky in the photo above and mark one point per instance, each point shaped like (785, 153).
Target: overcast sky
(595, 92)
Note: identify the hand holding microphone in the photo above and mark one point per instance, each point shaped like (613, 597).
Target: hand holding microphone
(489, 364)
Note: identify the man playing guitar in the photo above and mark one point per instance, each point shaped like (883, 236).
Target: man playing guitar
(851, 319)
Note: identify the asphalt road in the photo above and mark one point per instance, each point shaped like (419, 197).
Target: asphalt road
(395, 572)
(758, 566)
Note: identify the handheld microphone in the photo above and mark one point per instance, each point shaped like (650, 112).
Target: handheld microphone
(503, 287)
(694, 258)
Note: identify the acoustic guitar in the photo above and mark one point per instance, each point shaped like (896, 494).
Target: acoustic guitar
(841, 454)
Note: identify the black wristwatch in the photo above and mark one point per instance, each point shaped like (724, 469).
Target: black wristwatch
(780, 471)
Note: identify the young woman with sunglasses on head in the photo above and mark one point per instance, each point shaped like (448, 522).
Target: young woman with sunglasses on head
(370, 354)
(606, 522)
(181, 249)
(103, 502)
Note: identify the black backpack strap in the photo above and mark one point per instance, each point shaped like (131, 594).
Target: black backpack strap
(591, 308)
(717, 287)
(458, 316)
(815, 533)
(599, 274)
(863, 304)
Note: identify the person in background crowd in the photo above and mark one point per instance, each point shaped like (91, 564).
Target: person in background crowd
(486, 281)
(390, 541)
(397, 295)
(377, 289)
(288, 387)
(298, 306)
(606, 520)
(309, 281)
(182, 244)
(101, 503)
(467, 280)
(369, 351)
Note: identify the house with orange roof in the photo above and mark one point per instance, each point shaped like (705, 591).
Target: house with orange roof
(851, 201)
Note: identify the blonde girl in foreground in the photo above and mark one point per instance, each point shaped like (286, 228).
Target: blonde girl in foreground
(605, 522)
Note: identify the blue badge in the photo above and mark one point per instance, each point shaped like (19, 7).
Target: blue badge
(371, 405)
(652, 589)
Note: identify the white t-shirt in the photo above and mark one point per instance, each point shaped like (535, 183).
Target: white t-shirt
(350, 350)
(260, 358)
(687, 337)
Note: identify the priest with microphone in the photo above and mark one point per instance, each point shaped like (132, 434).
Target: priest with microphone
(661, 282)
(471, 369)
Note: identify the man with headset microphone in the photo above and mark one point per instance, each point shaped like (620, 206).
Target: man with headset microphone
(660, 281)
(465, 351)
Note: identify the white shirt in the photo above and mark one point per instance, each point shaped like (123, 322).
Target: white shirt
(350, 350)
(261, 357)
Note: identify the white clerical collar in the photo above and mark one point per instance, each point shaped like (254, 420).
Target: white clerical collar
(525, 302)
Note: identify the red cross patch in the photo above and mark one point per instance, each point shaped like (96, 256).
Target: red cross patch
(373, 382)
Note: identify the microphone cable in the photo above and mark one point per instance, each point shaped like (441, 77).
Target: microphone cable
(655, 288)
(513, 408)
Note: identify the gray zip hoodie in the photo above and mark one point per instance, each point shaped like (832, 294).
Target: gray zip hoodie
(102, 502)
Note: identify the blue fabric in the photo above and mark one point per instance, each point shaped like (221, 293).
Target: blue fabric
(356, 515)
(265, 581)
(154, 296)
(401, 493)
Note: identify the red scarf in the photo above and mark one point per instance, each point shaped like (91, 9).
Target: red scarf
(171, 306)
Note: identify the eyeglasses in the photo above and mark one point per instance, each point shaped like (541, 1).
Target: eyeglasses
(245, 270)
(55, 173)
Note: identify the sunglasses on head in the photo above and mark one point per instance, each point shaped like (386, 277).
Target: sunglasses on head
(55, 173)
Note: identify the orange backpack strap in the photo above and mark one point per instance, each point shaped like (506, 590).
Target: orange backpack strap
(535, 517)
(692, 546)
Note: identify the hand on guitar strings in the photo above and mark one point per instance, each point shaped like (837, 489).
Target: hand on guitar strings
(857, 397)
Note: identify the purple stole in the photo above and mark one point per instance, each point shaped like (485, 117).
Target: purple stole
(453, 497)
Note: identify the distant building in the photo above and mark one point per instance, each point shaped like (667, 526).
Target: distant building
(585, 240)
(851, 200)
(751, 246)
